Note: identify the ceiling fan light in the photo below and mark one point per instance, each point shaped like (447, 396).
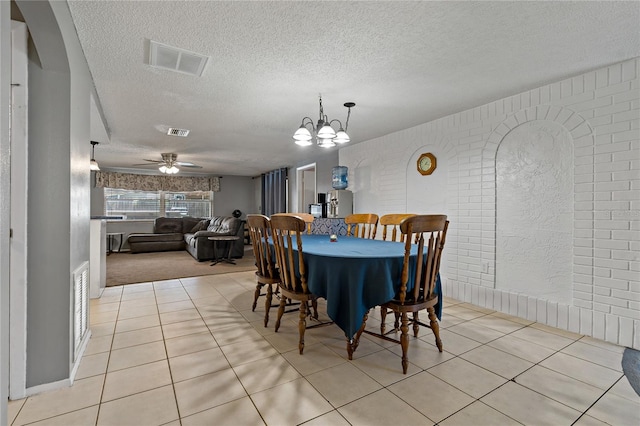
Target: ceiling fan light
(341, 137)
(163, 169)
(93, 165)
(173, 170)
(326, 132)
(302, 134)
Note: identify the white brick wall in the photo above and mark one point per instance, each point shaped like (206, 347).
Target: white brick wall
(601, 111)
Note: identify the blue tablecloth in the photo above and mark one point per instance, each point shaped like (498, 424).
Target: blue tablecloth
(355, 275)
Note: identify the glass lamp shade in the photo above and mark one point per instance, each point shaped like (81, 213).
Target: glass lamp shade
(93, 165)
(326, 142)
(173, 170)
(302, 134)
(341, 137)
(305, 142)
(326, 132)
(163, 169)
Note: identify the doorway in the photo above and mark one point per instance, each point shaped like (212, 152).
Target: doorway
(306, 183)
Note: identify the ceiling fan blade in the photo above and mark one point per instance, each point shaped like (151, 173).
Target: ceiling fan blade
(190, 165)
(150, 164)
(154, 161)
(184, 163)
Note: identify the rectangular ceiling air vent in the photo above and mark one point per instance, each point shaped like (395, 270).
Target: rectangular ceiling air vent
(176, 59)
(178, 132)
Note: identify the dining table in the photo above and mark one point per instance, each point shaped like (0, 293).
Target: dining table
(354, 275)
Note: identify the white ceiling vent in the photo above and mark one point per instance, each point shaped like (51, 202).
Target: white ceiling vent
(178, 132)
(176, 59)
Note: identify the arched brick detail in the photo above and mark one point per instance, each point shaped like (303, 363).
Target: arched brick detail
(583, 140)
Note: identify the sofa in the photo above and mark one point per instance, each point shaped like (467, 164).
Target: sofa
(192, 234)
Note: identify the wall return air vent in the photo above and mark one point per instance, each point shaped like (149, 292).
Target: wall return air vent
(176, 59)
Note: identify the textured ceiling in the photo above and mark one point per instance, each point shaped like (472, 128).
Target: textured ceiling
(402, 63)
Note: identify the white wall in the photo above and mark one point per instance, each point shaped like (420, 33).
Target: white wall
(599, 114)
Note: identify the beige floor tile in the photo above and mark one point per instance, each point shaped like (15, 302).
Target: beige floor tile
(366, 347)
(208, 391)
(128, 296)
(501, 363)
(175, 306)
(137, 323)
(134, 380)
(276, 407)
(197, 364)
(543, 338)
(529, 407)
(558, 331)
(137, 288)
(600, 356)
(190, 343)
(137, 311)
(104, 307)
(105, 329)
(137, 303)
(98, 344)
(333, 418)
(240, 412)
(13, 408)
(153, 407)
(564, 389)
(136, 355)
(184, 328)
(257, 315)
(205, 297)
(102, 317)
(478, 414)
(167, 284)
(173, 297)
(288, 338)
(498, 324)
(462, 312)
(265, 373)
(602, 344)
(248, 351)
(623, 389)
(260, 328)
(424, 355)
(454, 343)
(92, 365)
(235, 334)
(476, 332)
(385, 367)
(315, 358)
(431, 396)
(522, 348)
(84, 393)
(467, 377)
(179, 316)
(449, 321)
(512, 318)
(85, 416)
(106, 299)
(616, 410)
(585, 420)
(584, 371)
(381, 408)
(136, 337)
(343, 384)
(222, 319)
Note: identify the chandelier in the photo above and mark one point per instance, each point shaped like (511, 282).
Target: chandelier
(325, 135)
(93, 164)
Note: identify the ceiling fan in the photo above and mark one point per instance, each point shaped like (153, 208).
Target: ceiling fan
(168, 163)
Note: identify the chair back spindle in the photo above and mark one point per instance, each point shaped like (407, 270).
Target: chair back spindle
(362, 225)
(392, 221)
(286, 231)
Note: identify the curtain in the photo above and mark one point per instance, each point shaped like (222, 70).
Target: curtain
(274, 192)
(156, 183)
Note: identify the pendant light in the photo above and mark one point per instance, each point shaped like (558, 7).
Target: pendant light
(93, 164)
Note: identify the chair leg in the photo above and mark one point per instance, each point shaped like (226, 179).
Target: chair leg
(396, 323)
(267, 304)
(435, 327)
(404, 341)
(314, 304)
(283, 302)
(383, 317)
(255, 296)
(416, 326)
(302, 325)
(352, 345)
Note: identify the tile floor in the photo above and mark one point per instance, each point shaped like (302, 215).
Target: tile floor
(191, 352)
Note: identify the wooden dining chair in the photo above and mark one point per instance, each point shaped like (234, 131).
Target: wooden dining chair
(307, 217)
(418, 292)
(392, 221)
(362, 225)
(286, 233)
(267, 273)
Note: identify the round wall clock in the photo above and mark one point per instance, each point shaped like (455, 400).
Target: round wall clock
(426, 163)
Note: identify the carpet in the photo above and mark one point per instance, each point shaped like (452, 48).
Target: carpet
(631, 368)
(129, 268)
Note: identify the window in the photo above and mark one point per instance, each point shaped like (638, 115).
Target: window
(153, 204)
